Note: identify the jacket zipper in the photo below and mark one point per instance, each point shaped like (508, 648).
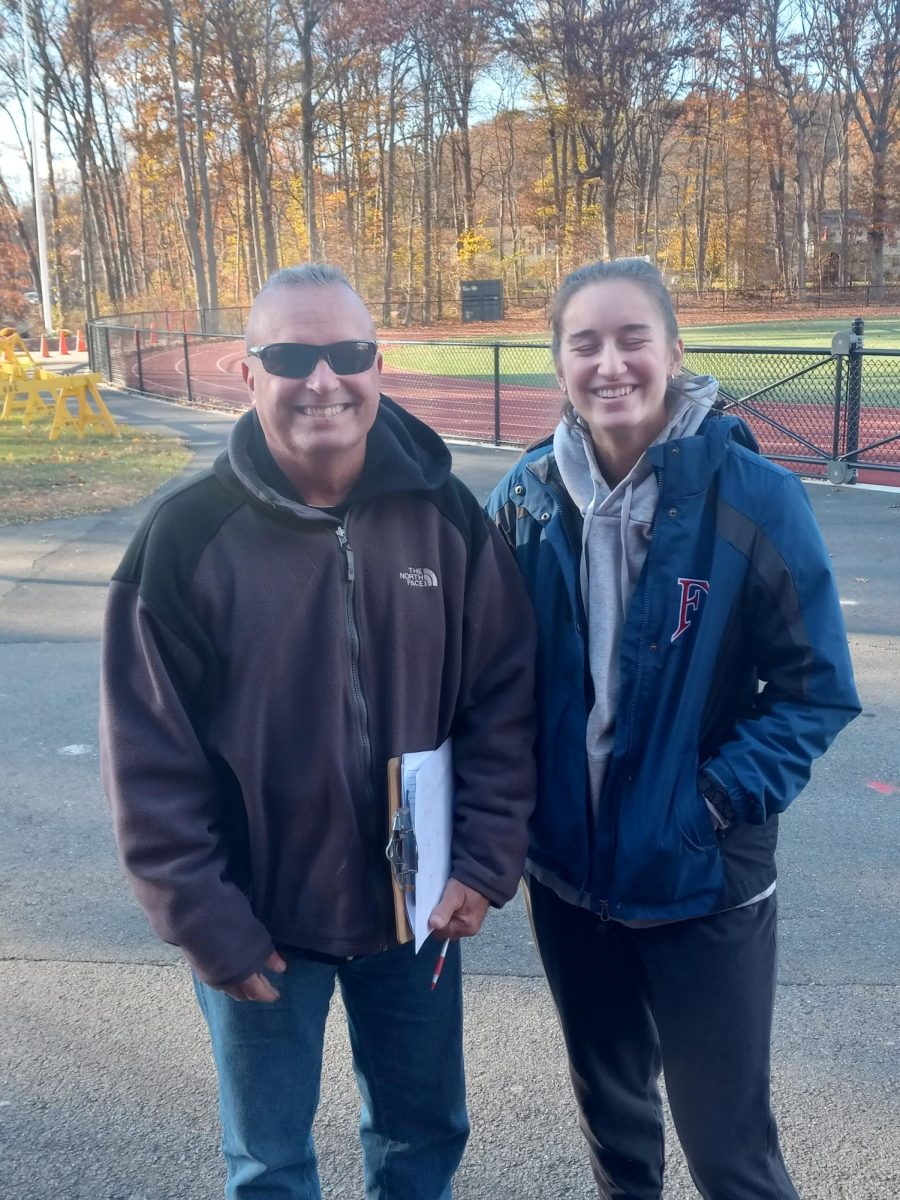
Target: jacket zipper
(583, 633)
(561, 504)
(363, 715)
(645, 615)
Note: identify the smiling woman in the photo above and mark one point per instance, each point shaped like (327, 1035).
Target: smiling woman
(675, 569)
(615, 358)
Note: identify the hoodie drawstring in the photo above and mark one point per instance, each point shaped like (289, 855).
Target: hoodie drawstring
(624, 518)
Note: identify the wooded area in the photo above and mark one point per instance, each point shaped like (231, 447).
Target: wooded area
(196, 148)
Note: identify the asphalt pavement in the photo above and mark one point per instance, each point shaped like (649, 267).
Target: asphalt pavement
(106, 1089)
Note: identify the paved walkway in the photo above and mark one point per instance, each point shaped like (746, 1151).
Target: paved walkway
(75, 360)
(106, 1092)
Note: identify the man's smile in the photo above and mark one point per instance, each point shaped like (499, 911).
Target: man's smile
(322, 410)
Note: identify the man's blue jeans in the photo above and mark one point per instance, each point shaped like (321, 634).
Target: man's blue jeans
(407, 1055)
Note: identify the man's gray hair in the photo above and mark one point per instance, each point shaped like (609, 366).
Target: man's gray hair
(306, 275)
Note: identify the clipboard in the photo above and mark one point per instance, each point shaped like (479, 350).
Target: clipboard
(420, 805)
(398, 849)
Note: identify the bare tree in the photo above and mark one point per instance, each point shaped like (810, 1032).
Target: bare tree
(458, 32)
(799, 80)
(305, 16)
(865, 36)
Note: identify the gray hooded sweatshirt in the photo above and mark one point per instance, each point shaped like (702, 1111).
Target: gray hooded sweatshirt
(618, 524)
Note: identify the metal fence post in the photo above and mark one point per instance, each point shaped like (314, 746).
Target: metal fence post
(838, 398)
(187, 368)
(108, 371)
(137, 347)
(496, 393)
(854, 392)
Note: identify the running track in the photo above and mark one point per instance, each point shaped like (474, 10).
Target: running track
(462, 408)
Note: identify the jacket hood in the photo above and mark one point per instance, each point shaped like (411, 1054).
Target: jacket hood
(403, 454)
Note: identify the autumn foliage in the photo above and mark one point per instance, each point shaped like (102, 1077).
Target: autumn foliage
(197, 147)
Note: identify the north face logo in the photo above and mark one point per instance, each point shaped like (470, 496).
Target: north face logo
(419, 577)
(692, 590)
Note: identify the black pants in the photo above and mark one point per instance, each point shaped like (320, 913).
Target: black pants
(693, 999)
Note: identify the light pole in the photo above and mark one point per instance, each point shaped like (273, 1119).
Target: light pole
(36, 178)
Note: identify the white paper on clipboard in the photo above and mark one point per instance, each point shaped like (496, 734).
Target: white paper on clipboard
(427, 780)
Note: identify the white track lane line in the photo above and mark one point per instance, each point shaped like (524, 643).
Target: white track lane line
(232, 355)
(238, 388)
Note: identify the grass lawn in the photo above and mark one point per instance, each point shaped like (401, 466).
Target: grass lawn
(525, 361)
(528, 365)
(40, 479)
(881, 333)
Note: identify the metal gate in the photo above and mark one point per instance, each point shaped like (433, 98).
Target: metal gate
(829, 414)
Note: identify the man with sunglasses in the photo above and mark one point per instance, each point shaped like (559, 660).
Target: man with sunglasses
(327, 597)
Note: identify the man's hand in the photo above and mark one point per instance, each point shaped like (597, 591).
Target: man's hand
(459, 913)
(256, 986)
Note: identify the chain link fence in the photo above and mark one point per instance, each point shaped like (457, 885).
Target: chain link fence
(404, 308)
(826, 413)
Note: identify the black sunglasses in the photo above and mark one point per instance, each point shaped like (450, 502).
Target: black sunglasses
(296, 360)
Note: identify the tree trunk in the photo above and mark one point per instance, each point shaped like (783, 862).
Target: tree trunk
(607, 165)
(878, 223)
(184, 159)
(702, 191)
(61, 300)
(254, 254)
(845, 267)
(426, 80)
(390, 177)
(308, 131)
(198, 45)
(802, 206)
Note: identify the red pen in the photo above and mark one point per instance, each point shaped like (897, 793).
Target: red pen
(439, 965)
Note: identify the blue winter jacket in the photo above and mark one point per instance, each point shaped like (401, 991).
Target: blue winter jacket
(736, 591)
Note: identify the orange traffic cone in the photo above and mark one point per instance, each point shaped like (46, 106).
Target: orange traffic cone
(45, 353)
(154, 340)
(80, 344)
(63, 344)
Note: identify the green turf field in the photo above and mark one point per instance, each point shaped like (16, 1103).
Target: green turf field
(881, 333)
(528, 366)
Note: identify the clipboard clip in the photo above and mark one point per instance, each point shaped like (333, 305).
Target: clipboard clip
(402, 852)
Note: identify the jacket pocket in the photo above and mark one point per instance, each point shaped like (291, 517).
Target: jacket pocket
(694, 820)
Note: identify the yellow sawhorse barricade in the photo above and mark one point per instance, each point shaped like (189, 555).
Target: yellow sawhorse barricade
(25, 396)
(14, 354)
(90, 414)
(38, 394)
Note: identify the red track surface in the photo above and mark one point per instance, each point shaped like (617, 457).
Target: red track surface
(463, 408)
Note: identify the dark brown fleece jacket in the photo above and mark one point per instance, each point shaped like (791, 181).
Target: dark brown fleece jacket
(262, 661)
